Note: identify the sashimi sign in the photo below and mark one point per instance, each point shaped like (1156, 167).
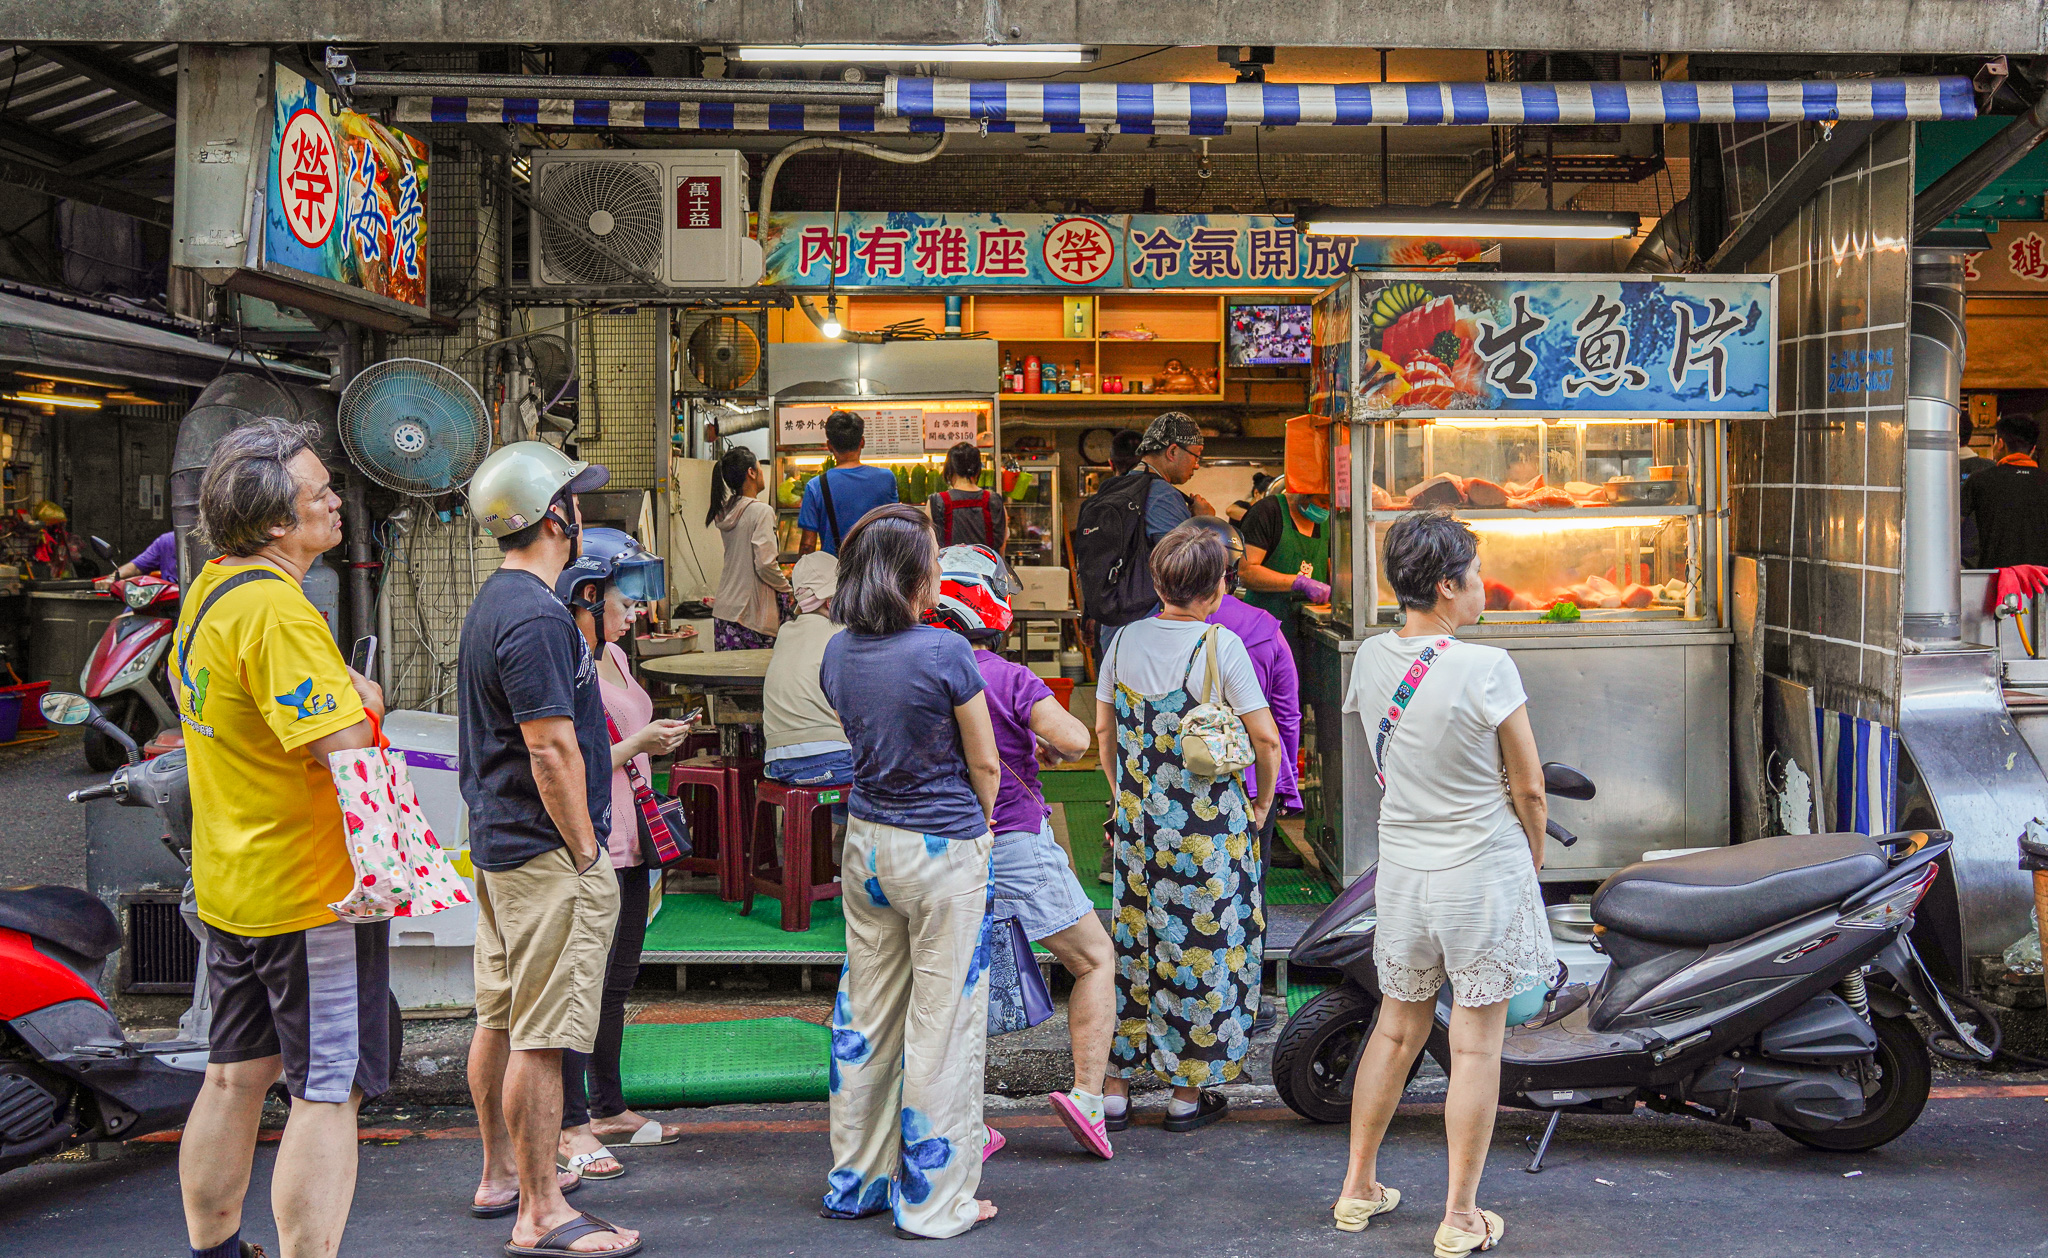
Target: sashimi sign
(1636, 348)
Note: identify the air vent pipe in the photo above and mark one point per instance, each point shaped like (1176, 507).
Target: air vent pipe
(1931, 594)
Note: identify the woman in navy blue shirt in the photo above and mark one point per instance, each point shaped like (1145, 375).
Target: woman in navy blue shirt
(910, 1026)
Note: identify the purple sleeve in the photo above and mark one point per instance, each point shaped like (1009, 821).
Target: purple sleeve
(1274, 664)
(160, 556)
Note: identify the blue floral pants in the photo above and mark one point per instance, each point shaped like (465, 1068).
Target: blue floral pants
(910, 1029)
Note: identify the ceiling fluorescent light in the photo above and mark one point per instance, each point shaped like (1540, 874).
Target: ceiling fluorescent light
(1484, 224)
(987, 54)
(53, 399)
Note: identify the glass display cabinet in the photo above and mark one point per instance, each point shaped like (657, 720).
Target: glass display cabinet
(906, 435)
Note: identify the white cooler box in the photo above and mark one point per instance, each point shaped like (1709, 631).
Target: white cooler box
(1046, 589)
(430, 956)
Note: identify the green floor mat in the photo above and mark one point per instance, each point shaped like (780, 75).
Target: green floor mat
(1299, 994)
(725, 1063)
(701, 922)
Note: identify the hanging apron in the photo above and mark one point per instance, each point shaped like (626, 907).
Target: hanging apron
(1296, 555)
(1188, 922)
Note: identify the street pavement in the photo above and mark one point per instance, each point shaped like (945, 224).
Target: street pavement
(42, 837)
(1968, 1178)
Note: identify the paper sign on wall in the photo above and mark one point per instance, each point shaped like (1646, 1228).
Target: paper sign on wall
(801, 425)
(893, 433)
(945, 429)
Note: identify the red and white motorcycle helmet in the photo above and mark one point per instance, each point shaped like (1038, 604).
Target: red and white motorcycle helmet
(975, 587)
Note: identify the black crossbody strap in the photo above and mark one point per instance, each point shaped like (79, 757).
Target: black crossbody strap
(233, 582)
(831, 512)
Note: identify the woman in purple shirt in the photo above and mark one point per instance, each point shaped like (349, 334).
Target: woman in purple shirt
(1273, 661)
(1031, 876)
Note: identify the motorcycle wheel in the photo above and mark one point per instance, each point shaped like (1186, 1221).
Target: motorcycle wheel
(1318, 1051)
(103, 754)
(1892, 1102)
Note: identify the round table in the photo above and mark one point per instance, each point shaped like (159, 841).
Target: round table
(716, 672)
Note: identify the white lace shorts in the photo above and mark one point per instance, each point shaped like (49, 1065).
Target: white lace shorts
(1480, 925)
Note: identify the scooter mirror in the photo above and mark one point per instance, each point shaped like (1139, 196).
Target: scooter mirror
(61, 708)
(103, 548)
(1562, 779)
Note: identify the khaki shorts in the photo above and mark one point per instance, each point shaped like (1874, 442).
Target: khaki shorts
(543, 941)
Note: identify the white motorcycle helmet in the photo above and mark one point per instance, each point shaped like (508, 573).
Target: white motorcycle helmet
(516, 486)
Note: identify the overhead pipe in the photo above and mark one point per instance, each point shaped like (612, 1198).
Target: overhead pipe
(607, 87)
(1931, 586)
(812, 145)
(1968, 177)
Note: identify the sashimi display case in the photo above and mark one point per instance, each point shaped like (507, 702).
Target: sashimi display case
(1579, 425)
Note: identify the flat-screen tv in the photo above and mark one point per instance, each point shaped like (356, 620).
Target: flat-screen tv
(1257, 336)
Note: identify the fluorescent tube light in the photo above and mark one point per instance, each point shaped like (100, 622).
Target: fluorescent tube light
(988, 54)
(1402, 220)
(53, 399)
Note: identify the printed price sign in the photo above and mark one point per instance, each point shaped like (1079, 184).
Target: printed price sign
(945, 429)
(894, 433)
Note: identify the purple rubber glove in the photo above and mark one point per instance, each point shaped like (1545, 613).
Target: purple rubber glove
(1311, 589)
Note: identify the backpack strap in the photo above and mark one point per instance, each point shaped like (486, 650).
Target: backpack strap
(988, 522)
(946, 523)
(234, 582)
(831, 512)
(1398, 706)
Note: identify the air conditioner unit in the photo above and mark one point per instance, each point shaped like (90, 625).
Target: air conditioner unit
(676, 218)
(723, 353)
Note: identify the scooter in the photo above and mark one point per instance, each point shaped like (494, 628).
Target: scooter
(126, 674)
(1771, 980)
(67, 1071)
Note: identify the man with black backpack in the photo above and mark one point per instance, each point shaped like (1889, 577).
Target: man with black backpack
(1126, 517)
(839, 496)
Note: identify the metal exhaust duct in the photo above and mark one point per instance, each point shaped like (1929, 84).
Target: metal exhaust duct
(1931, 594)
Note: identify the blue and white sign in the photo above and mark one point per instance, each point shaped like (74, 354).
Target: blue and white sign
(1582, 345)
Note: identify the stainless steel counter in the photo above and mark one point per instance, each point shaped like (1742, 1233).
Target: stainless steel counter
(1646, 717)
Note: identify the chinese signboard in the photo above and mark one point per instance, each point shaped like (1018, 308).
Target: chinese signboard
(700, 203)
(911, 250)
(1239, 251)
(2015, 265)
(347, 199)
(906, 250)
(891, 432)
(1586, 345)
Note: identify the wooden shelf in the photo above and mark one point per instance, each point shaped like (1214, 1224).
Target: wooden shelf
(1593, 515)
(1160, 400)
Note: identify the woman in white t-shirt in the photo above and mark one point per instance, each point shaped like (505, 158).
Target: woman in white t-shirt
(1188, 924)
(1461, 840)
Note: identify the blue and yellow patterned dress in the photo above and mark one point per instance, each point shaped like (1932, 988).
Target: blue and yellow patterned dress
(1189, 922)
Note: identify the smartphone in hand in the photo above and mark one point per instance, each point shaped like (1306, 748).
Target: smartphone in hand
(363, 657)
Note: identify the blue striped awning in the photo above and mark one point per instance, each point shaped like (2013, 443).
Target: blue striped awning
(1211, 107)
(929, 106)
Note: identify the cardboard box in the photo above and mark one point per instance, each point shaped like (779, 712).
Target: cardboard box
(1045, 589)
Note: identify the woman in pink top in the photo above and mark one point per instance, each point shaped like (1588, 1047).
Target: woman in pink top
(606, 590)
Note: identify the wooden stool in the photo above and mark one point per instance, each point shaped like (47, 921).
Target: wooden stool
(718, 826)
(808, 870)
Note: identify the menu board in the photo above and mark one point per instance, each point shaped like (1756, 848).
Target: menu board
(945, 429)
(893, 433)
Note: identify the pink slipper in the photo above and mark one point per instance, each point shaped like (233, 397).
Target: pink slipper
(1091, 1133)
(996, 1141)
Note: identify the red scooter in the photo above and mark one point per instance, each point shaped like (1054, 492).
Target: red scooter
(126, 674)
(67, 1071)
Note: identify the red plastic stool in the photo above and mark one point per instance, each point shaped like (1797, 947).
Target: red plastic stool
(809, 870)
(718, 825)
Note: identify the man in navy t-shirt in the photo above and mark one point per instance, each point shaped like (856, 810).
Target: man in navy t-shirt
(835, 500)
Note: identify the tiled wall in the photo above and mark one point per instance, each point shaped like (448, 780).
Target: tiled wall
(1817, 490)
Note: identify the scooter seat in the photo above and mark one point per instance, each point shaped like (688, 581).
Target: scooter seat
(1732, 892)
(73, 920)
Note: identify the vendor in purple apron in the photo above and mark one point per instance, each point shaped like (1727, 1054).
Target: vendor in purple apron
(1286, 557)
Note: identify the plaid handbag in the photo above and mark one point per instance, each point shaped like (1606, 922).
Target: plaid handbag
(664, 832)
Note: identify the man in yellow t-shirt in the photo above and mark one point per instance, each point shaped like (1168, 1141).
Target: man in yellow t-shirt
(264, 697)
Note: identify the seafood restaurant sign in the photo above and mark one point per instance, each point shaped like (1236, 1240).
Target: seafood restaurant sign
(1414, 345)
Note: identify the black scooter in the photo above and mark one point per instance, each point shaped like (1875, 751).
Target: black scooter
(1770, 980)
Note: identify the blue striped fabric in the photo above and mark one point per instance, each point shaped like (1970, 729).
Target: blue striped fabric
(930, 106)
(1862, 758)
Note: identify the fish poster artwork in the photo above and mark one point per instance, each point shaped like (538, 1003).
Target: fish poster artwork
(1430, 345)
(347, 199)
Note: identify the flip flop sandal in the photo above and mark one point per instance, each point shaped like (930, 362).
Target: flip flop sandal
(1212, 1106)
(1092, 1136)
(996, 1141)
(580, 1164)
(1456, 1242)
(504, 1208)
(1354, 1213)
(652, 1133)
(556, 1243)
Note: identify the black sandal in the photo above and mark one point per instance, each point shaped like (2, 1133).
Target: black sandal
(504, 1208)
(557, 1242)
(1211, 1106)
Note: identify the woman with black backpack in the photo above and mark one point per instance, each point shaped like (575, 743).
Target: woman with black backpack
(965, 514)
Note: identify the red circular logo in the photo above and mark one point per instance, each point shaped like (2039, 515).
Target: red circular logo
(308, 178)
(1079, 250)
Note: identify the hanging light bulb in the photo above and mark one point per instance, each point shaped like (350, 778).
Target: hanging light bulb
(830, 327)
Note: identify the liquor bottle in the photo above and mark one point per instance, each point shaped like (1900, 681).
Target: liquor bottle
(1032, 377)
(1007, 369)
(1080, 380)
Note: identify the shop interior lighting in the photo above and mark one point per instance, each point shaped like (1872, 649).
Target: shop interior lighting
(69, 400)
(43, 375)
(1483, 224)
(986, 54)
(1561, 523)
(830, 327)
